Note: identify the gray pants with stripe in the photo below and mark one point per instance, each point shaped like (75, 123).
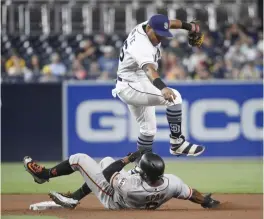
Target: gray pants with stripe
(91, 172)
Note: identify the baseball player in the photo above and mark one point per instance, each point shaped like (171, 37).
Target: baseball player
(114, 187)
(141, 88)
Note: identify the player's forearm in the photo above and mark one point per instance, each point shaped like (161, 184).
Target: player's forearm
(197, 197)
(153, 76)
(118, 165)
(151, 72)
(178, 24)
(113, 168)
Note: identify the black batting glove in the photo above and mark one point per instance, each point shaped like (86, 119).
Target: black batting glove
(209, 202)
(133, 156)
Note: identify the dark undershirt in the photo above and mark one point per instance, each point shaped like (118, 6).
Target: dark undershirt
(144, 27)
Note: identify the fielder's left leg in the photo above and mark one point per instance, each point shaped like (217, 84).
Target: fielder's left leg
(142, 97)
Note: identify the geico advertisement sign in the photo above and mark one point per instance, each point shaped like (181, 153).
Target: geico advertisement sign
(116, 124)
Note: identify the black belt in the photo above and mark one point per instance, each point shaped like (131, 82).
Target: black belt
(119, 79)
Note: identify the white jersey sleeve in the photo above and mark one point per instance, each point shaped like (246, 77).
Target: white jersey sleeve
(142, 52)
(179, 189)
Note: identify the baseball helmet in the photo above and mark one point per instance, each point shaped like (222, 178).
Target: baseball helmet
(151, 167)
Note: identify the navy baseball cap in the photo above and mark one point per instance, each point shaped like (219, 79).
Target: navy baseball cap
(160, 24)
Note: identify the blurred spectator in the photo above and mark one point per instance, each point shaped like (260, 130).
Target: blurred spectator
(175, 70)
(16, 69)
(35, 68)
(15, 65)
(175, 48)
(35, 65)
(233, 34)
(108, 63)
(219, 70)
(235, 55)
(47, 75)
(209, 47)
(260, 42)
(57, 68)
(249, 72)
(94, 72)
(197, 57)
(202, 72)
(87, 53)
(78, 70)
(248, 49)
(235, 74)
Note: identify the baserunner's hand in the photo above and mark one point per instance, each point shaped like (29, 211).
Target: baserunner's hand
(131, 157)
(168, 94)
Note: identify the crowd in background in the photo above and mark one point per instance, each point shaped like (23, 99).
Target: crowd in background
(232, 53)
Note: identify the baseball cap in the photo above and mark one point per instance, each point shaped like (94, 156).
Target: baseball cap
(160, 24)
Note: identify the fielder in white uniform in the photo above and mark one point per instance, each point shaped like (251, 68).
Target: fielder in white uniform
(140, 87)
(115, 188)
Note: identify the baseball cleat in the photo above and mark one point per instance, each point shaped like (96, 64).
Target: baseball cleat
(34, 169)
(63, 200)
(180, 146)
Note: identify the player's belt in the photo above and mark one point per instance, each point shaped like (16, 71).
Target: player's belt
(121, 79)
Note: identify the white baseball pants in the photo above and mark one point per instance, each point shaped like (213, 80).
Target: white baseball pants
(141, 98)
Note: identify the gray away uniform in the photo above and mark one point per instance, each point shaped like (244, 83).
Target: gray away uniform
(127, 191)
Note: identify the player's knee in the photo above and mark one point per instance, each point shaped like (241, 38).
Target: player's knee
(78, 158)
(148, 132)
(105, 162)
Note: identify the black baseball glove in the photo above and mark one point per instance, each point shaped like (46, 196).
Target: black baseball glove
(195, 38)
(209, 202)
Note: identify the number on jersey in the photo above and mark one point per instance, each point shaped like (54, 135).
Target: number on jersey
(153, 201)
(125, 45)
(122, 53)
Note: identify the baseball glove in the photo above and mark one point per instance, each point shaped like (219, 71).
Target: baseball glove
(196, 38)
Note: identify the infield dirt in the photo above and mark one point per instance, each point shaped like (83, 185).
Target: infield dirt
(235, 206)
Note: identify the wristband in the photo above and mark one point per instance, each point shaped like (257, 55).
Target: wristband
(186, 26)
(158, 83)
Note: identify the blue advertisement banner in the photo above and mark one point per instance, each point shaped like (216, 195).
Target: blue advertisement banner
(226, 117)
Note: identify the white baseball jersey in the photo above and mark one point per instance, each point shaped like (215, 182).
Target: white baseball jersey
(136, 52)
(132, 192)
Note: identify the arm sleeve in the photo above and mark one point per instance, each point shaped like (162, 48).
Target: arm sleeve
(112, 170)
(143, 55)
(181, 190)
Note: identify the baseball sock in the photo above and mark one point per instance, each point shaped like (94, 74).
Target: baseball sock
(63, 168)
(81, 192)
(144, 143)
(174, 116)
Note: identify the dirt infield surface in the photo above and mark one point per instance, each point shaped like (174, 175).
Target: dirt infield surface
(234, 206)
